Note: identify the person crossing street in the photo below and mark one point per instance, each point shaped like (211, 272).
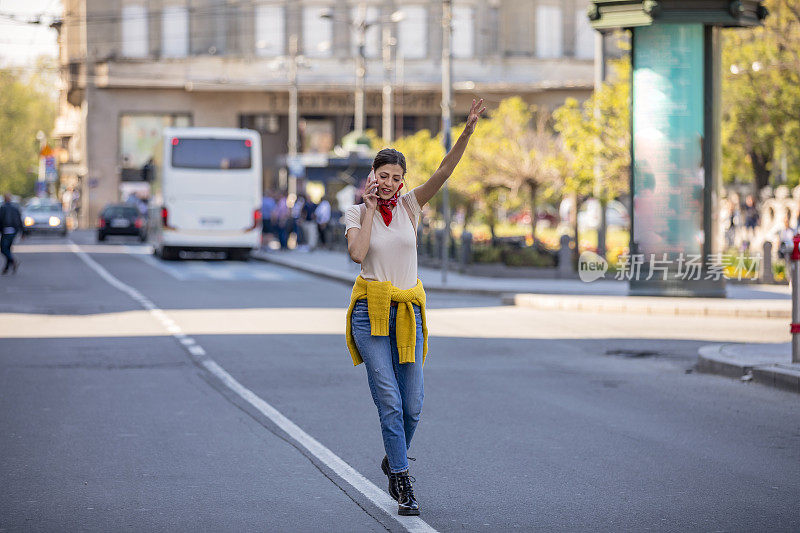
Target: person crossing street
(10, 225)
(386, 324)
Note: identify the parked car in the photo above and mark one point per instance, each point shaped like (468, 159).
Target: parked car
(546, 216)
(43, 215)
(121, 219)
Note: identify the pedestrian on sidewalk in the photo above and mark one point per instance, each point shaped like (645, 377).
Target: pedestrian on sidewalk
(786, 241)
(267, 206)
(297, 221)
(752, 219)
(10, 225)
(386, 324)
(308, 223)
(281, 217)
(322, 216)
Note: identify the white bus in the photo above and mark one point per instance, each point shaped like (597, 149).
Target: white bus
(207, 195)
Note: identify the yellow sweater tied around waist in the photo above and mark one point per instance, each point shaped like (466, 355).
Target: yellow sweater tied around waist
(379, 296)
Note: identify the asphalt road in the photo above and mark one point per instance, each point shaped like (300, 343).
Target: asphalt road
(533, 420)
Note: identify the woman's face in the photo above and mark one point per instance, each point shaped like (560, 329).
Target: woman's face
(390, 177)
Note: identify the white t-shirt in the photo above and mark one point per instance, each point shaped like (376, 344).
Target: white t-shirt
(392, 254)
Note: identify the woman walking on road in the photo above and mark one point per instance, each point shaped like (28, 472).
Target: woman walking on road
(386, 326)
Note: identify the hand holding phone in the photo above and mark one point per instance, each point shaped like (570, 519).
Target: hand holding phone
(371, 191)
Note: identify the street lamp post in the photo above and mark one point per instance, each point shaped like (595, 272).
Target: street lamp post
(293, 111)
(361, 67)
(599, 79)
(361, 25)
(387, 41)
(447, 97)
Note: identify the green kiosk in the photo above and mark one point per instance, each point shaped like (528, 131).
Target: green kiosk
(675, 147)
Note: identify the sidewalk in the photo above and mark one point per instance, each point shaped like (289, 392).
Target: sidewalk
(770, 364)
(759, 301)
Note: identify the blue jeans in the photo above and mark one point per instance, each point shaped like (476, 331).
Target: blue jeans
(6, 241)
(396, 389)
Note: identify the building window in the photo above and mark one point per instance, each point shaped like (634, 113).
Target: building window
(270, 30)
(262, 122)
(317, 32)
(516, 24)
(584, 36)
(134, 31)
(491, 32)
(549, 32)
(372, 38)
(316, 136)
(463, 32)
(413, 42)
(175, 31)
(140, 142)
(209, 28)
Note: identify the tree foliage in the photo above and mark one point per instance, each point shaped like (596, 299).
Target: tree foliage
(515, 148)
(514, 151)
(423, 153)
(601, 138)
(520, 154)
(761, 96)
(26, 107)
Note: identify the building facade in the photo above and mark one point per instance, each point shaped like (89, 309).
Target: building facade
(131, 67)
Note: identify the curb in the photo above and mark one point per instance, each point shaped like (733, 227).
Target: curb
(569, 302)
(629, 304)
(349, 279)
(712, 360)
(317, 271)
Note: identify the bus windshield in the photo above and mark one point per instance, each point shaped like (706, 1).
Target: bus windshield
(214, 154)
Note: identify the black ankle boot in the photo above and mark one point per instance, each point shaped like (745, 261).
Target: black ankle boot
(392, 484)
(406, 503)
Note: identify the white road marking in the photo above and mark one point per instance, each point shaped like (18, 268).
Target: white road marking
(346, 472)
(61, 247)
(196, 350)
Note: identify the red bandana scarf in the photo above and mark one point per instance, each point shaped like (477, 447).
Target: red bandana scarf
(386, 206)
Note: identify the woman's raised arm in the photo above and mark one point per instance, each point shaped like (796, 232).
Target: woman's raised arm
(427, 190)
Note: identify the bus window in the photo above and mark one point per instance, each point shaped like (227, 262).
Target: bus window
(211, 153)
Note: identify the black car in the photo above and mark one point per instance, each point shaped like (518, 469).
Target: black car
(121, 219)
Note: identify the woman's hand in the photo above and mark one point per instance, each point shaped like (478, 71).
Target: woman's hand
(474, 114)
(370, 189)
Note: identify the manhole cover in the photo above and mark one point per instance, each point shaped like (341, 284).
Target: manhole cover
(632, 353)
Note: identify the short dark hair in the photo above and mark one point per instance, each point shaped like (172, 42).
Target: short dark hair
(389, 156)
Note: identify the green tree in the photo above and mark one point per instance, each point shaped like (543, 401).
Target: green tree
(596, 139)
(26, 107)
(423, 153)
(761, 97)
(516, 148)
(513, 150)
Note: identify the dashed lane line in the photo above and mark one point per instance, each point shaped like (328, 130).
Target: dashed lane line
(336, 464)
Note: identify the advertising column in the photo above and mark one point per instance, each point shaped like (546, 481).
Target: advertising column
(669, 171)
